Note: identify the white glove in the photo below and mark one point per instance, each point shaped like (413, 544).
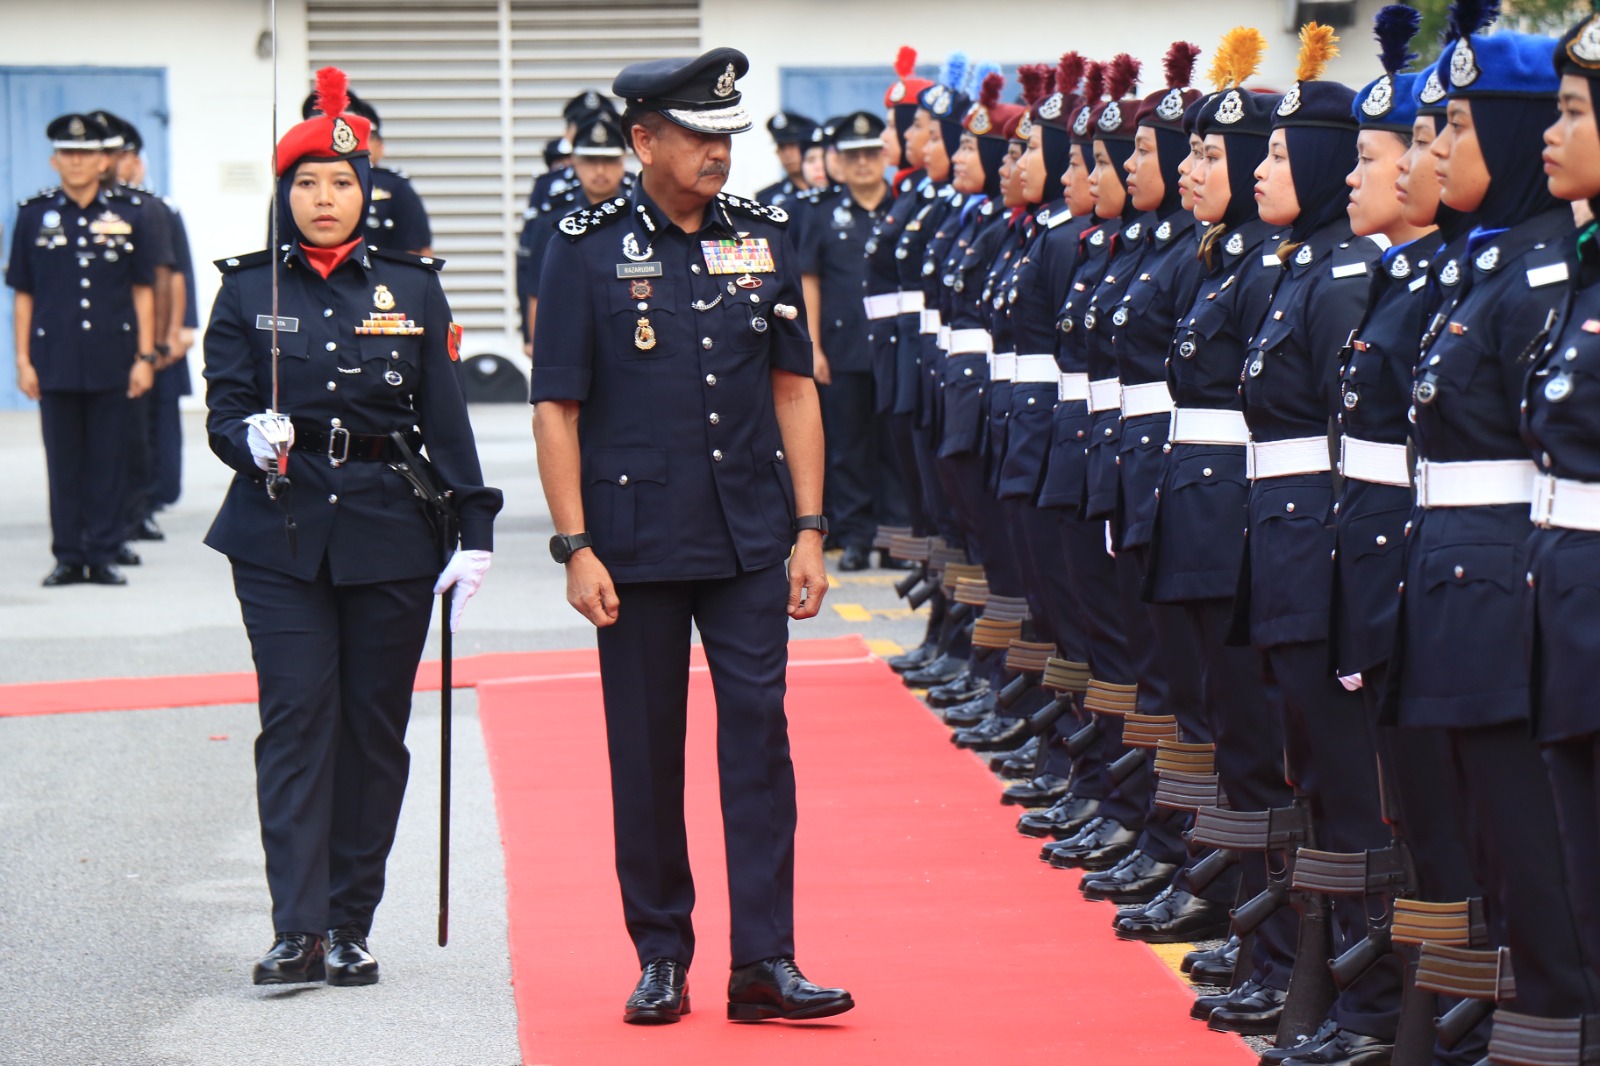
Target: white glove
(263, 433)
(464, 573)
(1351, 682)
(1110, 549)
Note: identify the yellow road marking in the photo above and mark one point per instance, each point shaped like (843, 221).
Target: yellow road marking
(884, 649)
(852, 612)
(1172, 955)
(862, 579)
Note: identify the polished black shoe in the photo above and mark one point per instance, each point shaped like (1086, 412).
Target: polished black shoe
(295, 958)
(962, 715)
(775, 988)
(1096, 850)
(1307, 1043)
(1175, 918)
(64, 574)
(349, 961)
(994, 734)
(661, 996)
(1213, 966)
(126, 556)
(1042, 790)
(106, 574)
(1345, 1048)
(855, 558)
(1136, 879)
(1021, 764)
(938, 672)
(889, 562)
(1202, 1007)
(1062, 819)
(911, 660)
(959, 689)
(1255, 1013)
(148, 530)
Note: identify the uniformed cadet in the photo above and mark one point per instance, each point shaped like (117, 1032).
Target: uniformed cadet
(557, 153)
(865, 482)
(83, 274)
(336, 575)
(597, 164)
(680, 448)
(791, 132)
(1455, 666)
(396, 218)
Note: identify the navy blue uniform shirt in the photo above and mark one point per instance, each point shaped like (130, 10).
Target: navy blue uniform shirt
(396, 219)
(834, 249)
(668, 341)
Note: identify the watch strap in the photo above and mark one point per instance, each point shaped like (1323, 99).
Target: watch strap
(812, 521)
(572, 543)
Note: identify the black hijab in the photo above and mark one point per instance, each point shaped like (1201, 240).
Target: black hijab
(1511, 136)
(1172, 148)
(1319, 159)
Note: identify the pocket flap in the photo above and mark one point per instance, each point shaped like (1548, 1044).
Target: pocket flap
(1465, 563)
(623, 466)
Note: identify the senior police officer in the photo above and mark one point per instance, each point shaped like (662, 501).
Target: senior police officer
(85, 316)
(679, 435)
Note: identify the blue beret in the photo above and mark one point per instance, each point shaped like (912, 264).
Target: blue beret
(941, 101)
(1429, 90)
(1500, 64)
(698, 94)
(1389, 103)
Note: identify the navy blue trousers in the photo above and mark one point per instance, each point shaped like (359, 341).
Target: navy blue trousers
(336, 665)
(85, 455)
(1574, 767)
(644, 672)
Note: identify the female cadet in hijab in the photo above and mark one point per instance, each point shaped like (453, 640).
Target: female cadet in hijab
(335, 575)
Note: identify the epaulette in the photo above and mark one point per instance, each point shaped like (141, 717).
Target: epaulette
(240, 262)
(42, 194)
(576, 223)
(1058, 217)
(1354, 259)
(131, 193)
(396, 171)
(754, 209)
(432, 262)
(1546, 265)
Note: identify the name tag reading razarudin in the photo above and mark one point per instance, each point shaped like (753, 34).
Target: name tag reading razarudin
(285, 325)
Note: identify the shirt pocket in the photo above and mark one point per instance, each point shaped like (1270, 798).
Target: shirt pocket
(1198, 345)
(651, 333)
(394, 359)
(625, 501)
(1462, 637)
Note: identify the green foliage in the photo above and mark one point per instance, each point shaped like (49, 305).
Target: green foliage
(1530, 16)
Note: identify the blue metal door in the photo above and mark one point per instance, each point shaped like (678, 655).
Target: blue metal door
(29, 98)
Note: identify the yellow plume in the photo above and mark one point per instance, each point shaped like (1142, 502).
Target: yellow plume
(1237, 57)
(1317, 45)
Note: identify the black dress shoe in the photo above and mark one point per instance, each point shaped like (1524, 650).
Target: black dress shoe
(148, 530)
(1061, 820)
(1345, 1048)
(1204, 1005)
(1213, 966)
(962, 715)
(1254, 1014)
(1098, 849)
(661, 996)
(855, 558)
(1137, 879)
(775, 988)
(295, 958)
(994, 734)
(958, 689)
(889, 562)
(349, 961)
(941, 670)
(64, 574)
(1044, 789)
(126, 556)
(1306, 1044)
(106, 574)
(1019, 764)
(911, 660)
(1175, 918)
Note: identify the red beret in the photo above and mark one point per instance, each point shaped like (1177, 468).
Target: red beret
(334, 134)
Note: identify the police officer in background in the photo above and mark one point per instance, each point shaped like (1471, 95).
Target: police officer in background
(396, 218)
(791, 133)
(597, 162)
(864, 486)
(336, 572)
(680, 448)
(84, 275)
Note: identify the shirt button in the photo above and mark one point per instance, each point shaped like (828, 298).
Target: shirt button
(705, 342)
(327, 312)
(714, 418)
(1530, 579)
(1461, 571)
(332, 498)
(331, 346)
(1381, 540)
(716, 455)
(1108, 431)
(643, 306)
(394, 355)
(623, 480)
(1031, 401)
(1206, 472)
(779, 453)
(86, 323)
(332, 385)
(84, 282)
(84, 303)
(1288, 507)
(711, 379)
(694, 268)
(1144, 440)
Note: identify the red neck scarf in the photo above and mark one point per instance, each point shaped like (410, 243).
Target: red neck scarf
(325, 260)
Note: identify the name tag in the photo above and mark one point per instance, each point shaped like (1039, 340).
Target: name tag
(1271, 260)
(1547, 275)
(1350, 270)
(1419, 283)
(285, 325)
(639, 270)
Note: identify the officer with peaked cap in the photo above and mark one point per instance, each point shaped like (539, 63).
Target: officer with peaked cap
(791, 133)
(561, 180)
(680, 449)
(83, 274)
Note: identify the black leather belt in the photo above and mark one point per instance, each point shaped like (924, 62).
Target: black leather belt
(338, 445)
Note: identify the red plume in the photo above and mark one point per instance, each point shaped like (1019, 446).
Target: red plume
(333, 91)
(1094, 83)
(1179, 64)
(905, 62)
(1069, 73)
(1032, 76)
(1122, 77)
(989, 95)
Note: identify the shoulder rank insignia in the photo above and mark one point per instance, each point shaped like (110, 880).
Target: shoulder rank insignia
(576, 223)
(240, 262)
(432, 262)
(754, 209)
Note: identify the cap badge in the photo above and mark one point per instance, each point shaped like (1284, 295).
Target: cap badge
(939, 100)
(1433, 88)
(1051, 108)
(1231, 109)
(1584, 49)
(344, 138)
(1235, 245)
(1025, 127)
(1380, 101)
(600, 136)
(1463, 65)
(724, 87)
(978, 120)
(1450, 274)
(1080, 125)
(382, 298)
(1400, 268)
(1291, 101)
(1304, 255)
(1111, 117)
(75, 128)
(1171, 107)
(780, 121)
(1489, 259)
(644, 337)
(863, 125)
(591, 100)
(897, 93)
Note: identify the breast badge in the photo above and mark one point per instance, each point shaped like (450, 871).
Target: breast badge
(382, 298)
(644, 337)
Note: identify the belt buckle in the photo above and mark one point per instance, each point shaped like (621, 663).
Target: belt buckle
(1544, 502)
(1250, 459)
(340, 437)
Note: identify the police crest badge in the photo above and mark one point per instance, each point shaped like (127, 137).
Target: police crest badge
(344, 138)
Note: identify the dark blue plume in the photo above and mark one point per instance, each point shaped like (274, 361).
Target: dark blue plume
(1470, 16)
(1394, 26)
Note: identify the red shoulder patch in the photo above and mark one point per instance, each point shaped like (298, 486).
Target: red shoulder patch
(453, 341)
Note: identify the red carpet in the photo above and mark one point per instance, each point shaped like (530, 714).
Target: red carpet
(914, 890)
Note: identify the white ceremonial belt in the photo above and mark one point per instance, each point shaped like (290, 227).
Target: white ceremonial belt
(1151, 398)
(1478, 483)
(911, 301)
(883, 305)
(970, 342)
(1566, 504)
(944, 339)
(1281, 458)
(1380, 464)
(930, 320)
(1002, 366)
(1205, 425)
(1072, 387)
(1037, 368)
(1105, 395)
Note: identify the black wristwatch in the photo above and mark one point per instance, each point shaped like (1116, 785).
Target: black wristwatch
(812, 521)
(563, 547)
(163, 350)
(148, 357)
